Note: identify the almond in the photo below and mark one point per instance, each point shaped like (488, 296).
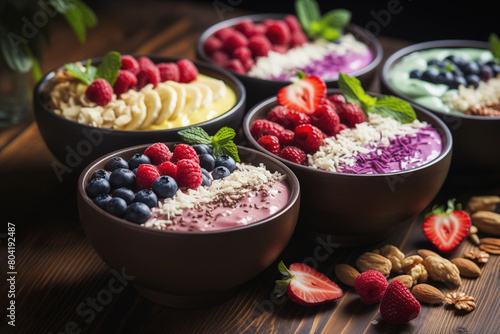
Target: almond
(466, 267)
(425, 253)
(427, 294)
(487, 222)
(346, 274)
(406, 279)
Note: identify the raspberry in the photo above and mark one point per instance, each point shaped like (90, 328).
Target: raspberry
(223, 33)
(293, 23)
(278, 115)
(248, 64)
(100, 92)
(298, 38)
(130, 64)
(341, 127)
(158, 153)
(295, 118)
(236, 65)
(145, 175)
(184, 151)
(257, 29)
(234, 41)
(351, 114)
(268, 22)
(259, 45)
(308, 137)
(286, 137)
(326, 118)
(211, 45)
(279, 48)
(189, 174)
(124, 81)
(370, 286)
(220, 58)
(262, 127)
(293, 154)
(242, 53)
(245, 26)
(278, 33)
(398, 306)
(168, 168)
(169, 71)
(337, 99)
(188, 71)
(270, 143)
(148, 73)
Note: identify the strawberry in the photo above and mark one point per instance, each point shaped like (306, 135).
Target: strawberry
(370, 286)
(304, 95)
(447, 229)
(398, 306)
(306, 286)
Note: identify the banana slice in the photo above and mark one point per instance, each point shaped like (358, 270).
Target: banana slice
(137, 109)
(206, 92)
(168, 98)
(193, 99)
(153, 106)
(218, 87)
(181, 98)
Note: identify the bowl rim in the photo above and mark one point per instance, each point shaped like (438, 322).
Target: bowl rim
(447, 149)
(240, 102)
(293, 183)
(376, 49)
(396, 57)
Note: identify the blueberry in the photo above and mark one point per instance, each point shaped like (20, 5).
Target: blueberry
(486, 73)
(456, 71)
(456, 60)
(135, 170)
(473, 79)
(96, 187)
(458, 81)
(430, 75)
(444, 78)
(125, 193)
(496, 69)
(226, 161)
(205, 172)
(137, 160)
(471, 68)
(220, 172)
(122, 177)
(100, 173)
(435, 62)
(206, 181)
(116, 206)
(416, 74)
(101, 200)
(165, 187)
(146, 196)
(115, 163)
(202, 149)
(138, 213)
(207, 161)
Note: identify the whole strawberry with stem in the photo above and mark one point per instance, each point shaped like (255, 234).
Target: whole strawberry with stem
(447, 228)
(306, 286)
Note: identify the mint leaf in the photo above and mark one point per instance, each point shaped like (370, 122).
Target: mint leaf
(354, 93)
(307, 13)
(109, 67)
(91, 71)
(330, 34)
(89, 18)
(195, 135)
(337, 18)
(224, 135)
(494, 44)
(391, 106)
(75, 70)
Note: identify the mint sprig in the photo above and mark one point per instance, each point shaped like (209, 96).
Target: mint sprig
(329, 26)
(107, 69)
(222, 142)
(386, 106)
(494, 45)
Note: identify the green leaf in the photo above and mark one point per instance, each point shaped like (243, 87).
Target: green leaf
(337, 18)
(195, 135)
(75, 20)
(354, 93)
(307, 13)
(230, 149)
(223, 136)
(91, 71)
(109, 67)
(391, 106)
(78, 73)
(36, 69)
(88, 16)
(330, 34)
(494, 44)
(283, 269)
(281, 287)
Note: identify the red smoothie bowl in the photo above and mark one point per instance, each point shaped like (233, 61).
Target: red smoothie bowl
(188, 269)
(362, 208)
(259, 89)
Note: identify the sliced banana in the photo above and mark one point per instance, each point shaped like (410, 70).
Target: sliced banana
(168, 97)
(218, 87)
(193, 99)
(137, 109)
(206, 92)
(153, 106)
(181, 98)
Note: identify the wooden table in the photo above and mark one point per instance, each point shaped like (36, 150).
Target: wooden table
(59, 274)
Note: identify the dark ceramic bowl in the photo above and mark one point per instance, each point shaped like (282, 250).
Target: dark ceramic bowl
(362, 208)
(75, 145)
(259, 89)
(474, 157)
(188, 269)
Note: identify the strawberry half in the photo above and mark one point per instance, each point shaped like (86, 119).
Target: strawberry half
(304, 95)
(447, 229)
(306, 286)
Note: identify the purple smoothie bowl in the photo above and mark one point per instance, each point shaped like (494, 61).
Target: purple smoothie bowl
(352, 209)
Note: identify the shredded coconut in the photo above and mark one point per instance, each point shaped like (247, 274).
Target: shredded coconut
(486, 93)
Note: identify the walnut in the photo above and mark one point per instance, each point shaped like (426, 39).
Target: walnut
(372, 261)
(442, 270)
(410, 262)
(418, 273)
(461, 301)
(479, 256)
(393, 254)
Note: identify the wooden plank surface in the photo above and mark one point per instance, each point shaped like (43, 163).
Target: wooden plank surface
(58, 271)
